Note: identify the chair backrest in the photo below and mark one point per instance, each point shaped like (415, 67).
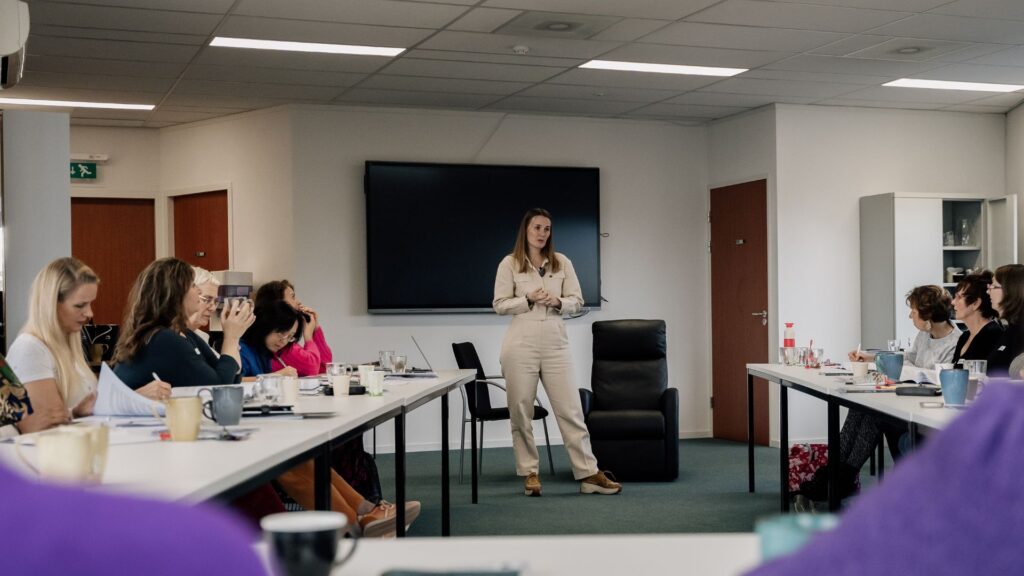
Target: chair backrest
(478, 399)
(630, 370)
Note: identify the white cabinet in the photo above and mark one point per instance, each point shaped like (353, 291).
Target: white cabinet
(909, 240)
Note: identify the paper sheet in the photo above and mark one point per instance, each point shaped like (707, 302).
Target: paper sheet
(115, 398)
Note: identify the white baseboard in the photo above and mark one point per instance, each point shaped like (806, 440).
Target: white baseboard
(684, 434)
(774, 442)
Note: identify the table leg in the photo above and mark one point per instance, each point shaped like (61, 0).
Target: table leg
(322, 479)
(474, 475)
(750, 432)
(784, 446)
(833, 456)
(400, 475)
(446, 520)
(881, 459)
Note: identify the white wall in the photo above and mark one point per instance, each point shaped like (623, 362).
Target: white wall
(1015, 166)
(828, 157)
(37, 210)
(653, 201)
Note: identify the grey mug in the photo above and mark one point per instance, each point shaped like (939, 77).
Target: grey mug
(224, 406)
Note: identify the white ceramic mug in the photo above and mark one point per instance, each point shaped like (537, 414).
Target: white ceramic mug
(341, 383)
(183, 417)
(69, 453)
(289, 391)
(859, 369)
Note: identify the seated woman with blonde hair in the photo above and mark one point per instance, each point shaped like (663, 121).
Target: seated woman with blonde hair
(47, 355)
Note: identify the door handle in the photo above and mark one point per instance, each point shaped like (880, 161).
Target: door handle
(764, 316)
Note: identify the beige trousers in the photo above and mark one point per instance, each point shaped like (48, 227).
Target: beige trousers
(539, 350)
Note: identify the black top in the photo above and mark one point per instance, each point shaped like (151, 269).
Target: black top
(1010, 345)
(983, 345)
(179, 361)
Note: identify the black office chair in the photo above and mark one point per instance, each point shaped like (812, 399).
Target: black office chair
(632, 414)
(476, 403)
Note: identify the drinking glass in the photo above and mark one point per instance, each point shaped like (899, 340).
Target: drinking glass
(398, 363)
(268, 388)
(976, 371)
(386, 359)
(893, 345)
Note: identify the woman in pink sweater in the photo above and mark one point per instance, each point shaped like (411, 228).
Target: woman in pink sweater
(313, 355)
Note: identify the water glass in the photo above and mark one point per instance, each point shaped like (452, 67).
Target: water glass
(976, 370)
(268, 388)
(398, 363)
(385, 357)
(892, 345)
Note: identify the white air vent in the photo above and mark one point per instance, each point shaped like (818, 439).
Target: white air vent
(554, 25)
(908, 49)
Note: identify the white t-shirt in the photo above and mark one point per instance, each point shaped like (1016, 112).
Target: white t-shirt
(31, 360)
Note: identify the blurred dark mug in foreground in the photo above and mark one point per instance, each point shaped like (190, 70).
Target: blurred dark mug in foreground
(306, 543)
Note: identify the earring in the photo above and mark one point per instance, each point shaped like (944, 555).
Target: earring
(928, 326)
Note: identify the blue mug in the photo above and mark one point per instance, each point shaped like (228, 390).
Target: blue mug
(954, 386)
(890, 364)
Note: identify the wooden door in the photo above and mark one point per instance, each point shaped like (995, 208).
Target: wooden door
(739, 293)
(116, 238)
(201, 229)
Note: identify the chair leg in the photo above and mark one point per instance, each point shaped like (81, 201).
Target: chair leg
(480, 461)
(462, 451)
(547, 439)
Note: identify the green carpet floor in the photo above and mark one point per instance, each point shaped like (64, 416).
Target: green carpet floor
(709, 496)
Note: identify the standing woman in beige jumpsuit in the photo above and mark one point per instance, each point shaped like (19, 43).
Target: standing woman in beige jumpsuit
(537, 286)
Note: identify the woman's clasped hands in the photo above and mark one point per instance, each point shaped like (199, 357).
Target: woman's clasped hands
(541, 296)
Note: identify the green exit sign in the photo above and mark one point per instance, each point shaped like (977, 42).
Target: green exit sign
(83, 170)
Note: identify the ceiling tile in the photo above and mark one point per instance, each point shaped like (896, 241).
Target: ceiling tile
(462, 2)
(101, 113)
(999, 9)
(329, 32)
(957, 28)
(615, 78)
(64, 64)
(208, 6)
(112, 50)
(597, 93)
(1008, 99)
(974, 108)
(1006, 57)
(707, 98)
(894, 48)
(84, 16)
(378, 12)
(741, 37)
(563, 106)
(800, 16)
(902, 5)
(629, 29)
(502, 44)
(975, 73)
(477, 70)
(483, 19)
(410, 98)
(802, 76)
(282, 91)
(849, 45)
(97, 82)
(859, 66)
(688, 111)
(241, 58)
(852, 102)
(694, 55)
(970, 52)
(782, 87)
(40, 30)
(82, 94)
(244, 102)
(923, 95)
(273, 75)
(181, 116)
(494, 58)
(657, 9)
(107, 122)
(450, 85)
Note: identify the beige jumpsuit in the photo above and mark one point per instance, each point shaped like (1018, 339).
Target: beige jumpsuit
(536, 347)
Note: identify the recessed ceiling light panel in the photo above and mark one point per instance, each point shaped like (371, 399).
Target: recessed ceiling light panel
(662, 68)
(950, 85)
(227, 42)
(73, 104)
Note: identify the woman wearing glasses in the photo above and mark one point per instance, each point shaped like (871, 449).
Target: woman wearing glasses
(312, 356)
(156, 338)
(275, 328)
(1007, 294)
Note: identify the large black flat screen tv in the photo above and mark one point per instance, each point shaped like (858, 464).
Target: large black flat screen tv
(436, 232)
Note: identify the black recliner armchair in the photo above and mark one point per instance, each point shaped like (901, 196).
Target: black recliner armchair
(632, 414)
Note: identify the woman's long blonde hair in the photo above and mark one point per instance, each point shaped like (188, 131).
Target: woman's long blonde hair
(519, 253)
(51, 287)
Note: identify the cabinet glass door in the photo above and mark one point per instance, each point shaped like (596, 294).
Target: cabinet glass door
(1001, 225)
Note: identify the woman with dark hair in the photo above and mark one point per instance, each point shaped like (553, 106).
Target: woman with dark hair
(313, 355)
(537, 285)
(156, 342)
(1007, 294)
(275, 326)
(973, 307)
(930, 310)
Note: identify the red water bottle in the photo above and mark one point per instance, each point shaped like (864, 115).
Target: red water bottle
(789, 336)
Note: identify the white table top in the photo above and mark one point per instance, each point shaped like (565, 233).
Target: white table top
(196, 471)
(906, 408)
(594, 555)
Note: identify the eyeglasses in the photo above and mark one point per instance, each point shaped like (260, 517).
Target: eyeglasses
(287, 338)
(207, 300)
(992, 287)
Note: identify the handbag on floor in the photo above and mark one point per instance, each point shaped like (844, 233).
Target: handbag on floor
(358, 468)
